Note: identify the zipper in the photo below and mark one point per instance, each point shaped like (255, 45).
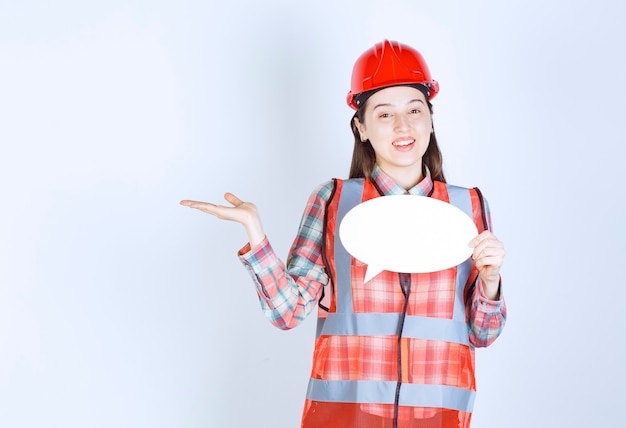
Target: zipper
(405, 285)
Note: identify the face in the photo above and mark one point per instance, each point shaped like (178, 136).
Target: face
(398, 124)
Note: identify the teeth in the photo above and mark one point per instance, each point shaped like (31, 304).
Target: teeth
(403, 143)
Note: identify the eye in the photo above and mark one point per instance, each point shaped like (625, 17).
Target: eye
(384, 115)
(414, 111)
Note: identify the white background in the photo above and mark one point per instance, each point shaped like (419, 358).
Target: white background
(120, 308)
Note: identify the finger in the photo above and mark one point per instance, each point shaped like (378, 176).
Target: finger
(488, 244)
(487, 255)
(488, 251)
(485, 240)
(480, 238)
(232, 199)
(198, 205)
(202, 206)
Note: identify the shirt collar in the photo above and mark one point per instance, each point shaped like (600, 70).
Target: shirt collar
(389, 187)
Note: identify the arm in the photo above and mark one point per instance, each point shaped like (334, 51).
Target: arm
(287, 293)
(486, 317)
(485, 307)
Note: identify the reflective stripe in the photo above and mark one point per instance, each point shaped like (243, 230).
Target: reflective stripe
(462, 274)
(351, 196)
(460, 198)
(345, 322)
(386, 324)
(383, 392)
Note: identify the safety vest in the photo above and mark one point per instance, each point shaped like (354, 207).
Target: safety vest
(381, 354)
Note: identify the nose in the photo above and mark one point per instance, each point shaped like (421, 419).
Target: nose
(401, 122)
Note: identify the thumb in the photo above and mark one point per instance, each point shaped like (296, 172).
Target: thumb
(232, 199)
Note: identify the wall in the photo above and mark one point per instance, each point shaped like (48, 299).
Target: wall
(120, 308)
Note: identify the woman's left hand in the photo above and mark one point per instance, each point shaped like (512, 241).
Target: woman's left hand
(488, 256)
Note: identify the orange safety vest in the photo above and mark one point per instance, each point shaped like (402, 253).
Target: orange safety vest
(371, 367)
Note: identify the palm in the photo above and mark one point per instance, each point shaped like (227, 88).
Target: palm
(239, 211)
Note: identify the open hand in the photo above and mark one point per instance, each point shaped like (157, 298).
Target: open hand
(239, 211)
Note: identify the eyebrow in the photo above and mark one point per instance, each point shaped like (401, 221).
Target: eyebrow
(388, 104)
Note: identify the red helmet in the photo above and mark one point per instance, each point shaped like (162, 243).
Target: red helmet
(389, 64)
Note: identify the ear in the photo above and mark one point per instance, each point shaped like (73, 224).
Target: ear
(361, 128)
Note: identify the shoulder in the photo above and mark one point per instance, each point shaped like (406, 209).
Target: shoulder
(457, 195)
(441, 187)
(322, 194)
(324, 190)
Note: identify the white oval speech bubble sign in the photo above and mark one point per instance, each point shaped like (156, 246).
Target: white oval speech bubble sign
(407, 233)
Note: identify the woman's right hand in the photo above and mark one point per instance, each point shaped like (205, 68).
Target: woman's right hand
(240, 211)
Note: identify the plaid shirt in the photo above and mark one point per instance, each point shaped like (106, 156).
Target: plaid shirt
(288, 294)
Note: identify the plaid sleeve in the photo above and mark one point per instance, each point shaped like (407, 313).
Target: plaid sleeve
(486, 318)
(288, 293)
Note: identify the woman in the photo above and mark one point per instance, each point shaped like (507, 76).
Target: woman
(397, 351)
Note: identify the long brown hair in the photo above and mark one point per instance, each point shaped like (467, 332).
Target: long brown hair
(364, 157)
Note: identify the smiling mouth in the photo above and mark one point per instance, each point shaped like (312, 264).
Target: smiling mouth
(403, 143)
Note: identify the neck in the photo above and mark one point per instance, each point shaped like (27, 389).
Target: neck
(406, 177)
